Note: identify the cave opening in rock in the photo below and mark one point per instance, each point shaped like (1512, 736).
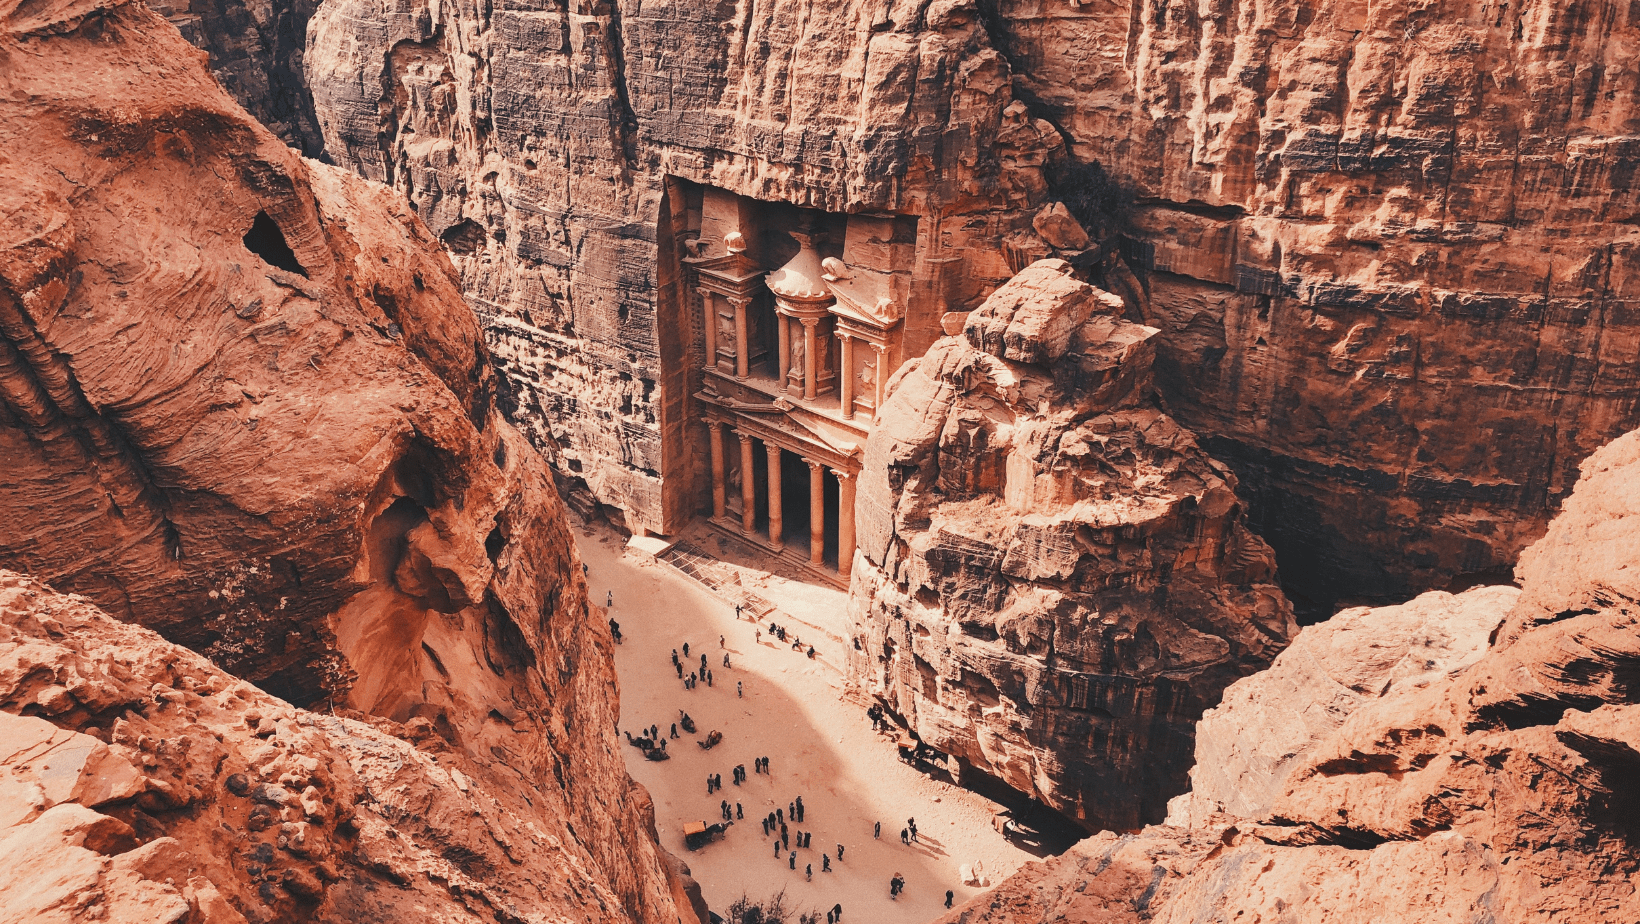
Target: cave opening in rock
(266, 241)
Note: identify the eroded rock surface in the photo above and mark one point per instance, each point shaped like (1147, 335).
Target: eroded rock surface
(141, 784)
(1389, 247)
(1499, 785)
(1054, 580)
(242, 403)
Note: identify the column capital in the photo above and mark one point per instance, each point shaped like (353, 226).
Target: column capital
(813, 465)
(808, 322)
(737, 300)
(844, 474)
(745, 438)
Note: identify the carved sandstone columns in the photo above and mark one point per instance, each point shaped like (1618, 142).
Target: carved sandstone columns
(817, 513)
(718, 501)
(742, 357)
(846, 376)
(776, 515)
(845, 522)
(748, 486)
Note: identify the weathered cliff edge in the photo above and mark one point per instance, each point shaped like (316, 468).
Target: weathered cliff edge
(243, 404)
(1458, 757)
(1053, 579)
(1390, 247)
(140, 784)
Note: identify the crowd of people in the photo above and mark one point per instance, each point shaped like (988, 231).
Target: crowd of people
(778, 823)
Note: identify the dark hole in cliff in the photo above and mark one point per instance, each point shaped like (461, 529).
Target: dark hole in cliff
(494, 543)
(266, 241)
(465, 237)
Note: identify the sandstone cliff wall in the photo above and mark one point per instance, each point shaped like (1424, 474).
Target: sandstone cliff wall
(1388, 247)
(139, 783)
(242, 403)
(1458, 757)
(1053, 579)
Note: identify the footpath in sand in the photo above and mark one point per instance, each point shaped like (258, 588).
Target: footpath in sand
(819, 747)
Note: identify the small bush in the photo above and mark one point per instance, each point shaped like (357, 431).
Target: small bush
(773, 910)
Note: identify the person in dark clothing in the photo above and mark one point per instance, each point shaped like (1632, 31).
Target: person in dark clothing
(708, 678)
(723, 809)
(793, 860)
(808, 872)
(894, 886)
(679, 666)
(839, 853)
(800, 810)
(948, 896)
(785, 833)
(837, 911)
(740, 814)
(780, 815)
(765, 827)
(686, 649)
(905, 836)
(777, 848)
(911, 825)
(725, 659)
(615, 630)
(825, 863)
(708, 784)
(877, 831)
(675, 657)
(740, 693)
(674, 730)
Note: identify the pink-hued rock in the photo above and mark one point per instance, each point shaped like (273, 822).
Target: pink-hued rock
(1053, 580)
(1490, 771)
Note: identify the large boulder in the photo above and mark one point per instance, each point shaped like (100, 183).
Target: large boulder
(242, 403)
(1454, 758)
(1054, 580)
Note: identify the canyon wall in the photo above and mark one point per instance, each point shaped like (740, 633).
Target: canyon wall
(1457, 757)
(141, 784)
(537, 141)
(1391, 248)
(1388, 247)
(242, 403)
(1054, 580)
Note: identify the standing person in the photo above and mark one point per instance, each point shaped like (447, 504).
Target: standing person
(825, 863)
(703, 660)
(837, 910)
(679, 666)
(793, 861)
(708, 784)
(686, 649)
(740, 814)
(911, 824)
(725, 659)
(739, 693)
(877, 831)
(759, 638)
(765, 827)
(905, 836)
(780, 816)
(720, 642)
(737, 612)
(609, 599)
(674, 730)
(777, 848)
(675, 657)
(708, 678)
(808, 872)
(800, 808)
(839, 853)
(723, 809)
(948, 896)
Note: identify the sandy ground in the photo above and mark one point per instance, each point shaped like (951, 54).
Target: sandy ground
(819, 746)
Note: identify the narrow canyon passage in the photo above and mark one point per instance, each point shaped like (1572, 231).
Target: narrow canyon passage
(819, 747)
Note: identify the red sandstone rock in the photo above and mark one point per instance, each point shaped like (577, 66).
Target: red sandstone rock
(242, 403)
(1054, 580)
(139, 783)
(1500, 785)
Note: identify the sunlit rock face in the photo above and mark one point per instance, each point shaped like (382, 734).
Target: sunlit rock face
(1453, 754)
(1054, 580)
(243, 404)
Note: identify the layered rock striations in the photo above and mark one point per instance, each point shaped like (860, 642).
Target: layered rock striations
(548, 146)
(243, 404)
(1390, 247)
(1387, 247)
(1054, 580)
(139, 783)
(1454, 757)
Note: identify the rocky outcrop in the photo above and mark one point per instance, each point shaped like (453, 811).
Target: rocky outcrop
(1387, 248)
(1390, 248)
(1477, 760)
(545, 145)
(242, 403)
(1054, 581)
(139, 783)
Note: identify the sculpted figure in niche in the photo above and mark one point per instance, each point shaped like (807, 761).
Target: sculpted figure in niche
(1024, 146)
(726, 334)
(695, 247)
(800, 353)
